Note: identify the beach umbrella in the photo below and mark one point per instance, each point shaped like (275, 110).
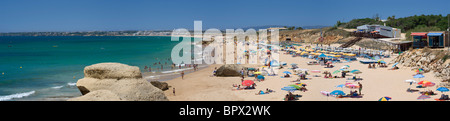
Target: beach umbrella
(385, 99)
(247, 82)
(442, 89)
(337, 92)
(418, 76)
(287, 72)
(410, 81)
(304, 69)
(341, 85)
(295, 86)
(337, 71)
(394, 64)
(353, 71)
(301, 84)
(257, 72)
(251, 69)
(326, 93)
(298, 69)
(322, 55)
(315, 71)
(419, 70)
(429, 84)
(293, 64)
(260, 77)
(289, 88)
(423, 97)
(352, 86)
(344, 70)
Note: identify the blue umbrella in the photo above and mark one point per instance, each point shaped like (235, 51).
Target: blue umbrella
(260, 77)
(442, 89)
(394, 64)
(341, 85)
(418, 76)
(337, 92)
(287, 72)
(353, 71)
(322, 55)
(289, 88)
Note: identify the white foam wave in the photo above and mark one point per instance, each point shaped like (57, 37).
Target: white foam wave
(17, 95)
(71, 84)
(57, 87)
(172, 71)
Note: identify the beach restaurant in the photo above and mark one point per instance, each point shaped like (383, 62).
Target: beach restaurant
(419, 39)
(430, 39)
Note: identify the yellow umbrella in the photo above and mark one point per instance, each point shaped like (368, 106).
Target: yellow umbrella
(351, 54)
(257, 72)
(337, 56)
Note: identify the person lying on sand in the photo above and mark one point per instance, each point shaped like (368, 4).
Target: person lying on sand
(394, 68)
(303, 88)
(287, 75)
(260, 92)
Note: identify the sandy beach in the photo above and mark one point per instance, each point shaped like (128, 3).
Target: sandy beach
(377, 83)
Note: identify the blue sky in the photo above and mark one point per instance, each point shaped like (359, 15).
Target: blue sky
(95, 15)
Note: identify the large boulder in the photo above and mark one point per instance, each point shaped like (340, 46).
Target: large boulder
(122, 80)
(228, 70)
(112, 71)
(161, 85)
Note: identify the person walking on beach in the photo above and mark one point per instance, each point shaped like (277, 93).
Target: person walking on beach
(173, 91)
(182, 74)
(360, 88)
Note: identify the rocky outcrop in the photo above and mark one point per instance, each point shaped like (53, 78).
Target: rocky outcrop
(161, 85)
(229, 70)
(124, 81)
(98, 95)
(429, 60)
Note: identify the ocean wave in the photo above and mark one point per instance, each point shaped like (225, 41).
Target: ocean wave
(17, 95)
(72, 84)
(177, 70)
(57, 87)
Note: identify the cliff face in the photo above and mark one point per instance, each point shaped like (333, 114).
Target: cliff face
(429, 60)
(115, 81)
(312, 36)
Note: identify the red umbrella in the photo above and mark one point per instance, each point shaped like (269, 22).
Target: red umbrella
(423, 82)
(247, 82)
(429, 84)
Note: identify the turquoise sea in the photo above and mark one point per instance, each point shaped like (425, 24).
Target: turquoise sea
(47, 68)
